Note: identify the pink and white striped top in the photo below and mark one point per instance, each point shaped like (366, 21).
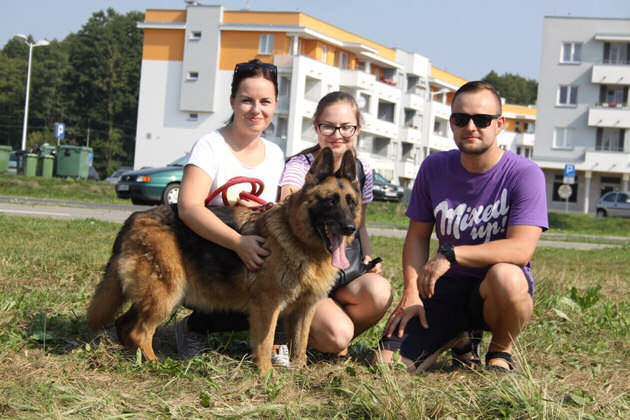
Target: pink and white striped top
(297, 167)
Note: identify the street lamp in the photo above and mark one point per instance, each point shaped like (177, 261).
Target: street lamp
(41, 43)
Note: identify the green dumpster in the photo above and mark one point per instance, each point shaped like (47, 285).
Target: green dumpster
(48, 163)
(73, 161)
(5, 151)
(30, 164)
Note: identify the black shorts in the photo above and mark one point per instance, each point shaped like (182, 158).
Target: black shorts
(455, 307)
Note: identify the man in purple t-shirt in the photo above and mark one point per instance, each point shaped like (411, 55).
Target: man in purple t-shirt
(488, 207)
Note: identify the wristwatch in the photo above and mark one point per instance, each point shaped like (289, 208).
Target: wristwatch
(448, 250)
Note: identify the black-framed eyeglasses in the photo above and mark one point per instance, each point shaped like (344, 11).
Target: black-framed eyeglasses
(461, 119)
(253, 66)
(344, 130)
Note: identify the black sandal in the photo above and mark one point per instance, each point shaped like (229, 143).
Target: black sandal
(507, 357)
(471, 347)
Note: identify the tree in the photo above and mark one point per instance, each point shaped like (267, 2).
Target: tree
(103, 82)
(514, 88)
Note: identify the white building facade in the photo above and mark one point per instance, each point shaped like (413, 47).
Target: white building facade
(583, 111)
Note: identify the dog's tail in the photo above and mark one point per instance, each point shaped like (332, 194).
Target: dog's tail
(107, 299)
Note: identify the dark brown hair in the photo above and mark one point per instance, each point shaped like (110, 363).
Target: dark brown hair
(477, 86)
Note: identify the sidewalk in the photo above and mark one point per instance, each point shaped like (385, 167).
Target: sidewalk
(67, 209)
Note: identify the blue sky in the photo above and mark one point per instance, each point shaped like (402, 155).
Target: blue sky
(466, 37)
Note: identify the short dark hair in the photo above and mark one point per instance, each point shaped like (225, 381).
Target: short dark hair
(477, 86)
(252, 68)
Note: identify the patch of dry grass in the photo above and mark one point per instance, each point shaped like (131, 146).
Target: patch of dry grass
(573, 357)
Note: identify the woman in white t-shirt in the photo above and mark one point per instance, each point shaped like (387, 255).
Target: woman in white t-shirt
(234, 150)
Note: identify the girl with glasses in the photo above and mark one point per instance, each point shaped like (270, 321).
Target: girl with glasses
(355, 304)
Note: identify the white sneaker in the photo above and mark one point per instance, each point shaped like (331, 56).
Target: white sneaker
(280, 357)
(189, 344)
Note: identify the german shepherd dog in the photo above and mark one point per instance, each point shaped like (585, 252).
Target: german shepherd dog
(157, 263)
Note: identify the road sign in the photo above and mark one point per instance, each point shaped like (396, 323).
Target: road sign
(569, 174)
(565, 191)
(60, 130)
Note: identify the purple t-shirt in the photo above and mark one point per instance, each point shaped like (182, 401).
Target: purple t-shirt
(469, 208)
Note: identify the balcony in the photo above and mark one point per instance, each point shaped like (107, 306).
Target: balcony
(379, 127)
(437, 142)
(407, 169)
(611, 74)
(357, 79)
(524, 139)
(616, 116)
(606, 161)
(410, 135)
(388, 92)
(413, 101)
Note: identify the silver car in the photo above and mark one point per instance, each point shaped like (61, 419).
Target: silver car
(614, 203)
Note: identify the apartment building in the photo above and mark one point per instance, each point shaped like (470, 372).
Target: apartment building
(189, 56)
(584, 113)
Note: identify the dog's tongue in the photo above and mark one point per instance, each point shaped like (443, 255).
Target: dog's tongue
(338, 246)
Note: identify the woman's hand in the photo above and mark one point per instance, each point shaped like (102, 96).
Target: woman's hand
(410, 306)
(250, 251)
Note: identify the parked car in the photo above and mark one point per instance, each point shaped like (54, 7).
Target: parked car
(614, 203)
(385, 190)
(115, 177)
(152, 185)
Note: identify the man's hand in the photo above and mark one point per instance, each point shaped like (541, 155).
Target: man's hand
(430, 273)
(409, 306)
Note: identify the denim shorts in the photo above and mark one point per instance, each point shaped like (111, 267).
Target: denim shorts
(455, 307)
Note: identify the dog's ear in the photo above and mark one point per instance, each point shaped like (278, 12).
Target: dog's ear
(322, 168)
(348, 168)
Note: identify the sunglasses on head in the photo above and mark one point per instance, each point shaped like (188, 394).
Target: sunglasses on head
(481, 120)
(253, 66)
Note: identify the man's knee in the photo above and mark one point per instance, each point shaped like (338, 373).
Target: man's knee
(377, 292)
(506, 282)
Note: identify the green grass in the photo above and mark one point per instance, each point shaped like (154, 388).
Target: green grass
(392, 215)
(574, 356)
(59, 189)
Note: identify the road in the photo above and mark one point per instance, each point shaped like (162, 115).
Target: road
(58, 209)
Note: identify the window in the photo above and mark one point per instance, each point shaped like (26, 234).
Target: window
(439, 127)
(524, 151)
(571, 52)
(610, 139)
(281, 129)
(192, 76)
(324, 53)
(266, 44)
(615, 53)
(342, 61)
(530, 128)
(386, 111)
(558, 180)
(284, 86)
(195, 35)
(562, 138)
(567, 95)
(622, 198)
(193, 117)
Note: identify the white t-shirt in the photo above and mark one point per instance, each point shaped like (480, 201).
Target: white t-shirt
(212, 154)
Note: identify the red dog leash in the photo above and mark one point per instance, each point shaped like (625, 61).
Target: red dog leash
(257, 188)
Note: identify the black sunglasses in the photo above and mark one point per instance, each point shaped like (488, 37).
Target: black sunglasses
(253, 66)
(481, 120)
